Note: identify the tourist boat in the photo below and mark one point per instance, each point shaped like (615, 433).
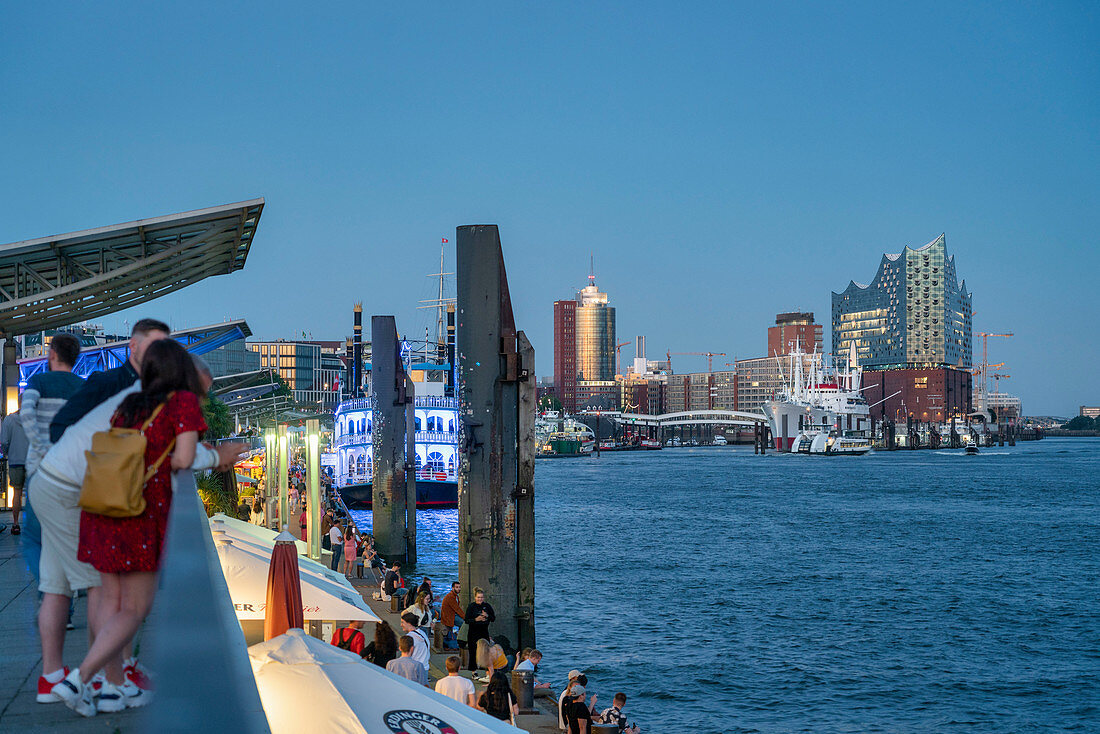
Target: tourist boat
(650, 444)
(559, 436)
(720, 441)
(828, 443)
(818, 398)
(971, 449)
(437, 434)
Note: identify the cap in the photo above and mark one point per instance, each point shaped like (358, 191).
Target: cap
(574, 674)
(576, 691)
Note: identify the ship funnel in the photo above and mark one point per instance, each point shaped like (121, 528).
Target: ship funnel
(357, 351)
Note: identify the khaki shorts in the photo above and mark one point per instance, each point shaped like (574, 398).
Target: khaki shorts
(59, 572)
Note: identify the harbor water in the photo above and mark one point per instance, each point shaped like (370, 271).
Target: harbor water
(903, 591)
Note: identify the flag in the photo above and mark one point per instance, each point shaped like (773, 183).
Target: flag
(445, 240)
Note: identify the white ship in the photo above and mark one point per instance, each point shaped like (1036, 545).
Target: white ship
(820, 410)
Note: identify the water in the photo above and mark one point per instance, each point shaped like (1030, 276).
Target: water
(911, 591)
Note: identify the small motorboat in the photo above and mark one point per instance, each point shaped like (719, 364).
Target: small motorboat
(971, 450)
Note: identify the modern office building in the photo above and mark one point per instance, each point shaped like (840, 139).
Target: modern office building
(914, 314)
(795, 329)
(311, 369)
(913, 320)
(584, 349)
(232, 359)
(701, 391)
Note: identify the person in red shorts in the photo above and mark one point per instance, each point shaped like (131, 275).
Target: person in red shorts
(127, 550)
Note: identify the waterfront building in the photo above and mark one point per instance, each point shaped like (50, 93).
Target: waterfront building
(795, 329)
(1089, 411)
(233, 358)
(914, 314)
(310, 369)
(914, 319)
(701, 391)
(584, 349)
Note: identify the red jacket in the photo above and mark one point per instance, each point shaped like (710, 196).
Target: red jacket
(353, 642)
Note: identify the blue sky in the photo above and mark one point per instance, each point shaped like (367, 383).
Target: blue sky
(722, 161)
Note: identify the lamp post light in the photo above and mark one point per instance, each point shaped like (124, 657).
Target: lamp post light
(271, 443)
(313, 472)
(284, 479)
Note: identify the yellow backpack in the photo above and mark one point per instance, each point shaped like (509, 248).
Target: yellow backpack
(114, 481)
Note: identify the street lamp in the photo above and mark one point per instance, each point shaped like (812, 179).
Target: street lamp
(313, 504)
(284, 479)
(271, 443)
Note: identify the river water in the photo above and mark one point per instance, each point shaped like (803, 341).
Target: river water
(904, 591)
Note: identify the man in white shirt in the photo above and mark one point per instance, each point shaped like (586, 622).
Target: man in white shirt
(531, 662)
(336, 539)
(454, 685)
(420, 651)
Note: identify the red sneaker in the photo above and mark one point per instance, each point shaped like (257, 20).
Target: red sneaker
(45, 690)
(135, 671)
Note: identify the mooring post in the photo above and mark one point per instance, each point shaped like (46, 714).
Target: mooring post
(410, 471)
(495, 484)
(389, 439)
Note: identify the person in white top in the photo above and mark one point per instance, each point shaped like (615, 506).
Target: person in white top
(531, 662)
(336, 540)
(420, 651)
(455, 686)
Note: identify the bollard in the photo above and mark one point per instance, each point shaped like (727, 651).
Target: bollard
(395, 604)
(523, 688)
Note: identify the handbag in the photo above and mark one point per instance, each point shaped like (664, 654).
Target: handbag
(464, 633)
(114, 481)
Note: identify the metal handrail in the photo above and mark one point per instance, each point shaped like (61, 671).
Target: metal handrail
(204, 679)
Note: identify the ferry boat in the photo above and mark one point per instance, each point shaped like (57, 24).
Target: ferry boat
(561, 436)
(437, 434)
(820, 400)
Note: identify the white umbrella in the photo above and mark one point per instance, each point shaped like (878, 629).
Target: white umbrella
(346, 694)
(258, 545)
(256, 531)
(246, 576)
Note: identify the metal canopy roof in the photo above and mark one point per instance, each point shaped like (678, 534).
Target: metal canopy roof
(57, 281)
(198, 340)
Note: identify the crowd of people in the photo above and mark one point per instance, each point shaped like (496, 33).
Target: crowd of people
(71, 543)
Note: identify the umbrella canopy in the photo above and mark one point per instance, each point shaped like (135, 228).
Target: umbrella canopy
(246, 576)
(247, 480)
(306, 566)
(284, 589)
(346, 694)
(254, 530)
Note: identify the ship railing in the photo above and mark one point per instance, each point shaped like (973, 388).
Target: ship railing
(349, 439)
(424, 401)
(194, 642)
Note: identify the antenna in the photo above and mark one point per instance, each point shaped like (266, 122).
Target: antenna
(591, 269)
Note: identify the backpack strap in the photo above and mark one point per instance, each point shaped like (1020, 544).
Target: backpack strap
(171, 444)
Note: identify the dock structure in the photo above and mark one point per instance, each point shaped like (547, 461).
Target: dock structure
(496, 524)
(393, 456)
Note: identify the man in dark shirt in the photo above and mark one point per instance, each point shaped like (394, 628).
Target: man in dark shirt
(101, 385)
(577, 715)
(389, 584)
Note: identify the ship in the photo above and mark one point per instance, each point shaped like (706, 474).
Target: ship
(437, 434)
(820, 410)
(435, 414)
(558, 436)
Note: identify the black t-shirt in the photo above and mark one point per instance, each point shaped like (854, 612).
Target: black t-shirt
(391, 582)
(574, 713)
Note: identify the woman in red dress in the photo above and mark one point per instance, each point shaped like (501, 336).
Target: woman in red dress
(127, 550)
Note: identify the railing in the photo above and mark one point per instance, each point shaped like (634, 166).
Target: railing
(204, 679)
(425, 401)
(435, 475)
(348, 439)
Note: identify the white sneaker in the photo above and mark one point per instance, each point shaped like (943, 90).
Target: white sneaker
(135, 695)
(111, 699)
(75, 694)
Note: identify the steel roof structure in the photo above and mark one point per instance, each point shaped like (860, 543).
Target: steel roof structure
(199, 340)
(56, 281)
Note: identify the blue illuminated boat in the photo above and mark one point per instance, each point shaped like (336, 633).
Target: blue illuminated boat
(436, 451)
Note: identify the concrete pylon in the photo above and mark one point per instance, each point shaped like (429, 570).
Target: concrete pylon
(496, 388)
(391, 469)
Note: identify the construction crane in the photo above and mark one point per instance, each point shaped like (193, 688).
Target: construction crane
(618, 351)
(985, 357)
(709, 355)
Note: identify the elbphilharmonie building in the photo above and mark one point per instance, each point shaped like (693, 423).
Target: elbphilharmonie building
(915, 314)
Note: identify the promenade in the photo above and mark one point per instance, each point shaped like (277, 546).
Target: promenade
(545, 722)
(21, 657)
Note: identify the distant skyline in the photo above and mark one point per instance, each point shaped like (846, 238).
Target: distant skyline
(722, 162)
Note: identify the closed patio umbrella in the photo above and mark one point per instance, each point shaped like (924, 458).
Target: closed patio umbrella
(284, 589)
(346, 694)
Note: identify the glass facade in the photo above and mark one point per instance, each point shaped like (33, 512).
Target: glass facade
(914, 313)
